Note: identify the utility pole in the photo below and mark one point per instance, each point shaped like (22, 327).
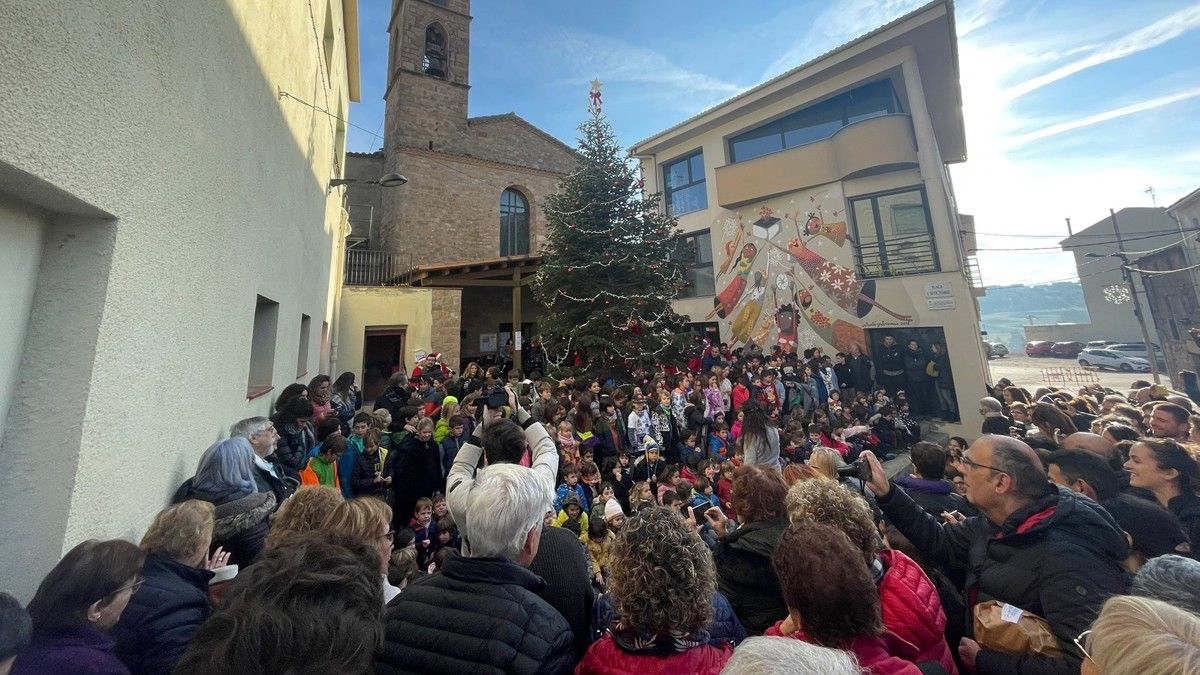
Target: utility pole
(1137, 302)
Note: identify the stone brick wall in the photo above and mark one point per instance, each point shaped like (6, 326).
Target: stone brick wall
(484, 309)
(450, 208)
(364, 201)
(446, 313)
(509, 139)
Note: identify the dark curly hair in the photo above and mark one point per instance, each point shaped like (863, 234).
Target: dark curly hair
(758, 493)
(822, 578)
(661, 577)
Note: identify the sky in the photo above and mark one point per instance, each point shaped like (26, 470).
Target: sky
(1071, 107)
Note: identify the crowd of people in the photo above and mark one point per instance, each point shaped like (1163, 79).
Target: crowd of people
(733, 515)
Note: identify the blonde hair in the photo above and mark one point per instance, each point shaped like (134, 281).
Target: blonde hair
(359, 518)
(826, 461)
(1144, 636)
(180, 531)
(828, 502)
(425, 423)
(303, 512)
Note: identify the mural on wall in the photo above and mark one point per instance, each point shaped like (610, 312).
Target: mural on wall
(793, 277)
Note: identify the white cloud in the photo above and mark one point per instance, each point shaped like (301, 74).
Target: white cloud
(1147, 37)
(1105, 116)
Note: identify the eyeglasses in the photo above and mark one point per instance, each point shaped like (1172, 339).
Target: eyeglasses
(132, 588)
(966, 460)
(1081, 641)
(390, 535)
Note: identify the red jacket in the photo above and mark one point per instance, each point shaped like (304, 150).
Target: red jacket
(882, 655)
(912, 609)
(604, 657)
(738, 397)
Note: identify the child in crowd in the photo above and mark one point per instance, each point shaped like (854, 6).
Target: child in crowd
(605, 494)
(640, 497)
(671, 500)
(569, 486)
(572, 516)
(830, 440)
(424, 531)
(649, 464)
(403, 565)
(568, 445)
(718, 440)
(440, 507)
(735, 431)
(447, 533)
(368, 475)
(667, 476)
(725, 490)
(589, 478)
(322, 469)
(599, 541)
(453, 442)
(687, 446)
(449, 410)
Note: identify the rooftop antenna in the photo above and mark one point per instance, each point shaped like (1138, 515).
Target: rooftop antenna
(1153, 196)
(1069, 232)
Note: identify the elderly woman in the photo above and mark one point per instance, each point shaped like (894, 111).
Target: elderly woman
(162, 617)
(304, 512)
(369, 520)
(910, 604)
(75, 608)
(662, 583)
(743, 552)
(832, 600)
(1171, 472)
(225, 478)
(1143, 636)
(1173, 579)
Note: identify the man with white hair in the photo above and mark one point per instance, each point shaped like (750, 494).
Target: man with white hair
(994, 421)
(268, 474)
(481, 611)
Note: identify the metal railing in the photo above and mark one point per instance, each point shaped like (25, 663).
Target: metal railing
(367, 267)
(973, 274)
(912, 257)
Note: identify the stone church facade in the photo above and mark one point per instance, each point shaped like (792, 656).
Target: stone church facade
(474, 194)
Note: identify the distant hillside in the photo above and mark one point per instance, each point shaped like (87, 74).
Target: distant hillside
(1005, 309)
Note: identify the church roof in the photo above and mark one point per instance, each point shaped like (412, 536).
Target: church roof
(514, 117)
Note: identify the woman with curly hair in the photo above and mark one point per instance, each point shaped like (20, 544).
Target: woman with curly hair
(832, 601)
(743, 551)
(304, 512)
(661, 584)
(911, 607)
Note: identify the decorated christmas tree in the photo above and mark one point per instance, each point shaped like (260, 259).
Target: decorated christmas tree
(611, 267)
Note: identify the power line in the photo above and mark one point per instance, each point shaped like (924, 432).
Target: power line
(1068, 248)
(1158, 272)
(1073, 236)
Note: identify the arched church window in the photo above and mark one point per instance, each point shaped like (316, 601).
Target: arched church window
(434, 61)
(514, 223)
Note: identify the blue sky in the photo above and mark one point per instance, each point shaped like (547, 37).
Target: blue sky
(1071, 106)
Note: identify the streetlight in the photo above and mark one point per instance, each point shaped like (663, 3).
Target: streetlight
(387, 180)
(1137, 306)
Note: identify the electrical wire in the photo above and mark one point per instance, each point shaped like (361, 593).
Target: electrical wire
(1158, 272)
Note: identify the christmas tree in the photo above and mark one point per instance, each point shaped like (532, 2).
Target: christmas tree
(611, 268)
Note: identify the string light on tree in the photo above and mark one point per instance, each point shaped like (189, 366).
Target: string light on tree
(610, 270)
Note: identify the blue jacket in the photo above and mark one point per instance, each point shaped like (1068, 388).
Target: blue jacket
(561, 495)
(345, 465)
(163, 616)
(449, 448)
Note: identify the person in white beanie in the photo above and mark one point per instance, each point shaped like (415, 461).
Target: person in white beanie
(614, 516)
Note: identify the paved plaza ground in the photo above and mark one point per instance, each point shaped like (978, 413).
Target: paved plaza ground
(1029, 372)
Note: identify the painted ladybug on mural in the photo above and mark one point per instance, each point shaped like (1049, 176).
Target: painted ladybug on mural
(813, 225)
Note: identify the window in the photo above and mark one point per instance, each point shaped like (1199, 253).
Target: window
(328, 41)
(302, 353)
(514, 223)
(894, 234)
(684, 180)
(695, 252)
(816, 122)
(262, 347)
(434, 61)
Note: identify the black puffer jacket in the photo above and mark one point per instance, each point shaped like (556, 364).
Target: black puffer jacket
(745, 575)
(478, 615)
(292, 449)
(162, 616)
(1059, 557)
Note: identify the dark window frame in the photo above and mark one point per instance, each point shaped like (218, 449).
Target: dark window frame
(435, 57)
(693, 261)
(780, 126)
(881, 242)
(517, 236)
(668, 191)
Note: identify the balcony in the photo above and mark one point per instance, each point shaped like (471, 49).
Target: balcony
(367, 267)
(874, 145)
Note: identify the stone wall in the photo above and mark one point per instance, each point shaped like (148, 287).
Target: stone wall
(364, 202)
(450, 208)
(446, 314)
(512, 140)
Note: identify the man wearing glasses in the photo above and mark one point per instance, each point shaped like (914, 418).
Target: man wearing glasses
(1036, 546)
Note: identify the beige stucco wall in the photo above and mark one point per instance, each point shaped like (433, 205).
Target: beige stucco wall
(21, 231)
(161, 121)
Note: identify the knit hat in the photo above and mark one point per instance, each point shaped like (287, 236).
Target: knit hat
(648, 443)
(449, 399)
(571, 499)
(612, 508)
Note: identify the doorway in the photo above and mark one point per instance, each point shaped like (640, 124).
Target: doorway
(383, 355)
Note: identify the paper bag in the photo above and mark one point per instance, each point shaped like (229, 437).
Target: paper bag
(1012, 630)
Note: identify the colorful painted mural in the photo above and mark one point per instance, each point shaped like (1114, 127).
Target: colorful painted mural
(793, 276)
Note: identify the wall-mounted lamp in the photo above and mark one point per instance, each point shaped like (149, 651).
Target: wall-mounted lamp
(387, 180)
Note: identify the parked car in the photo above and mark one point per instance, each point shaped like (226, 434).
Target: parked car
(1139, 350)
(1038, 348)
(996, 349)
(1066, 350)
(1107, 358)
(1100, 344)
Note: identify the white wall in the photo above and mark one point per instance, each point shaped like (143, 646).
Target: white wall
(20, 250)
(165, 115)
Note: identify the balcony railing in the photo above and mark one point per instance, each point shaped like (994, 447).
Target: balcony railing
(367, 267)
